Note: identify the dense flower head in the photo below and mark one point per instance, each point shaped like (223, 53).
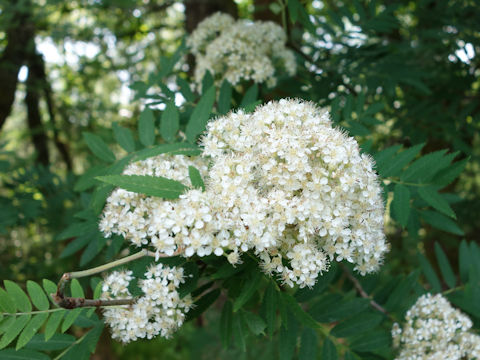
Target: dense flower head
(433, 330)
(281, 182)
(240, 50)
(160, 311)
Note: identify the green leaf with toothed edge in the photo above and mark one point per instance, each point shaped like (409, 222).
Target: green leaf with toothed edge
(37, 295)
(146, 127)
(53, 323)
(57, 342)
(271, 304)
(200, 115)
(50, 287)
(444, 265)
(70, 318)
(12, 332)
(6, 302)
(224, 98)
(329, 351)
(254, 322)
(148, 185)
(196, 178)
(23, 354)
(429, 273)
(308, 345)
(226, 320)
(170, 122)
(18, 296)
(401, 204)
(124, 137)
(435, 200)
(31, 329)
(98, 147)
(248, 289)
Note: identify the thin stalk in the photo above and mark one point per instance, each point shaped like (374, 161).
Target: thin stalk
(363, 293)
(72, 303)
(102, 268)
(31, 312)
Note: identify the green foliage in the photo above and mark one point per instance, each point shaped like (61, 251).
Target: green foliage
(410, 104)
(24, 316)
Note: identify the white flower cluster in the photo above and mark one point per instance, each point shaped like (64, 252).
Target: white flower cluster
(159, 311)
(282, 182)
(240, 50)
(138, 217)
(435, 330)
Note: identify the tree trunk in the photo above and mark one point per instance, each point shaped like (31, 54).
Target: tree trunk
(32, 101)
(20, 40)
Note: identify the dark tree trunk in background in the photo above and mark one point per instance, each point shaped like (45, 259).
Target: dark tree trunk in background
(35, 85)
(263, 12)
(47, 91)
(20, 39)
(197, 10)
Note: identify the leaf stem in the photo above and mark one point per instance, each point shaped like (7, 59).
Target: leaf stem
(363, 293)
(72, 303)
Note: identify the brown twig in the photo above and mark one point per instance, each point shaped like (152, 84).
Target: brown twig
(362, 292)
(73, 302)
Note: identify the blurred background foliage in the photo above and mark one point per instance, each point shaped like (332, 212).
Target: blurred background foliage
(390, 72)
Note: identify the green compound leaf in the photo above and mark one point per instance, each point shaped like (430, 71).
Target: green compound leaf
(394, 166)
(445, 267)
(53, 322)
(446, 176)
(329, 351)
(172, 149)
(435, 200)
(124, 137)
(429, 273)
(70, 318)
(358, 324)
(57, 342)
(370, 341)
(18, 296)
(226, 319)
(146, 127)
(170, 122)
(98, 147)
(308, 345)
(12, 354)
(12, 332)
(238, 333)
(50, 287)
(441, 222)
(199, 118)
(37, 295)
(300, 314)
(196, 178)
(250, 96)
(148, 185)
(247, 291)
(31, 329)
(254, 322)
(6, 302)
(401, 204)
(76, 289)
(425, 167)
(271, 304)
(225, 98)
(288, 339)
